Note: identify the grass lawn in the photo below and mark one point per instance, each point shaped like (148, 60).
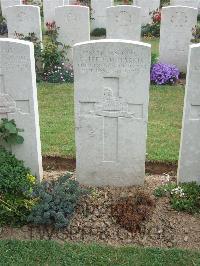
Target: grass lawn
(51, 253)
(57, 121)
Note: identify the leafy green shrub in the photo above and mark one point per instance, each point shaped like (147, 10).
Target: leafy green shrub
(98, 32)
(3, 25)
(16, 184)
(60, 73)
(164, 2)
(15, 178)
(15, 210)
(9, 132)
(185, 197)
(196, 34)
(153, 29)
(57, 200)
(51, 57)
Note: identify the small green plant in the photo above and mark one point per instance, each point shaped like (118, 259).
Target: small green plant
(57, 200)
(9, 132)
(196, 34)
(3, 25)
(164, 190)
(152, 29)
(98, 32)
(53, 55)
(164, 2)
(16, 185)
(185, 197)
(154, 58)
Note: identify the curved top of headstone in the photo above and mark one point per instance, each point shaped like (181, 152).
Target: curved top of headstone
(127, 7)
(113, 41)
(197, 45)
(178, 7)
(72, 6)
(23, 7)
(16, 41)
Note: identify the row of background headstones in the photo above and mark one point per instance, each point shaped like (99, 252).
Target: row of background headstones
(109, 134)
(123, 22)
(99, 8)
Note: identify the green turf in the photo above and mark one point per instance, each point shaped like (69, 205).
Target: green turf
(51, 253)
(57, 121)
(154, 45)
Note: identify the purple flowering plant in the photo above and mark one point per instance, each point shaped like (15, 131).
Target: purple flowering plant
(164, 74)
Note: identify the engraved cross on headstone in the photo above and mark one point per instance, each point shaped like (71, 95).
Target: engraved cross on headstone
(112, 107)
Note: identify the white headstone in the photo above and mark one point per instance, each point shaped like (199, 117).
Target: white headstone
(111, 110)
(123, 22)
(190, 3)
(176, 34)
(18, 99)
(73, 23)
(7, 3)
(99, 13)
(23, 19)
(49, 9)
(147, 6)
(189, 159)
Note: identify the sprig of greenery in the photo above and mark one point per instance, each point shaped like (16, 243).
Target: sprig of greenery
(9, 132)
(184, 197)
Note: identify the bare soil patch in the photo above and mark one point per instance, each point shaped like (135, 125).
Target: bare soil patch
(94, 222)
(69, 164)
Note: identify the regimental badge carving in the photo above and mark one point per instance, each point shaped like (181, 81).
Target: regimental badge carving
(112, 106)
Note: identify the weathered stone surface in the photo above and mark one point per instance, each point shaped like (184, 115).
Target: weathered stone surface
(176, 27)
(99, 13)
(189, 161)
(123, 22)
(49, 9)
(18, 99)
(147, 6)
(74, 25)
(23, 19)
(111, 107)
(190, 3)
(7, 3)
